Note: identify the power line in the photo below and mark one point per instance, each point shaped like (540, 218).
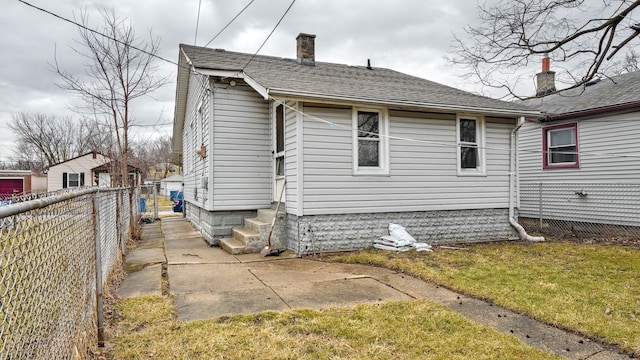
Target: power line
(195, 38)
(98, 33)
(271, 33)
(229, 23)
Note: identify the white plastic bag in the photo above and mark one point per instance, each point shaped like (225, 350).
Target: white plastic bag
(401, 234)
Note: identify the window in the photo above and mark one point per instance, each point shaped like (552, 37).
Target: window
(370, 142)
(71, 180)
(470, 139)
(560, 146)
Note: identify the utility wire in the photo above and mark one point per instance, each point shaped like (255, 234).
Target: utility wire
(97, 32)
(271, 33)
(229, 23)
(195, 38)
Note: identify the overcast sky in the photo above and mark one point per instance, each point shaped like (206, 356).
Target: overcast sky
(411, 36)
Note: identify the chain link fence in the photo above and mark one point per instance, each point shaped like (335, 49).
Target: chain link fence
(604, 211)
(54, 254)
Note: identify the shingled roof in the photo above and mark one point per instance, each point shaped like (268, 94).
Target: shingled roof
(603, 95)
(287, 77)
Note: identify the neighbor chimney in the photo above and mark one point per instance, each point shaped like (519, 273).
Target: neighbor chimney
(546, 79)
(306, 49)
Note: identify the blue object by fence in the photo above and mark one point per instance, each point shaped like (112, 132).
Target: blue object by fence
(143, 204)
(173, 194)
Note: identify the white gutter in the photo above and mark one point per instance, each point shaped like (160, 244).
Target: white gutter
(513, 168)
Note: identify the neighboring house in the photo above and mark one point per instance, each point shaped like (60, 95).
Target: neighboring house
(359, 146)
(581, 156)
(76, 172)
(18, 182)
(172, 183)
(109, 174)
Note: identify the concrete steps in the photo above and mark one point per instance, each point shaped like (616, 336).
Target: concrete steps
(252, 237)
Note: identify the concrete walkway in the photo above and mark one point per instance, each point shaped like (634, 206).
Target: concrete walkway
(206, 282)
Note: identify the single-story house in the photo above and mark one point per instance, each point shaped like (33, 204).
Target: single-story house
(579, 159)
(172, 183)
(90, 169)
(354, 148)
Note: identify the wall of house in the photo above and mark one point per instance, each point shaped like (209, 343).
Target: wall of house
(242, 164)
(601, 141)
(234, 177)
(82, 164)
(196, 134)
(423, 173)
(292, 125)
(608, 178)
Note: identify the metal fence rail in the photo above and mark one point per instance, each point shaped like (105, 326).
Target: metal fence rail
(54, 253)
(581, 209)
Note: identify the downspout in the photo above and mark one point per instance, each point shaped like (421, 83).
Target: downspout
(513, 168)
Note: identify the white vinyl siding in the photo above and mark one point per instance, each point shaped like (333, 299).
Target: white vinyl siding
(603, 142)
(293, 123)
(196, 134)
(242, 163)
(423, 173)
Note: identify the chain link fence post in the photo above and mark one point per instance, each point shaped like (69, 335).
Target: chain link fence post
(540, 203)
(98, 262)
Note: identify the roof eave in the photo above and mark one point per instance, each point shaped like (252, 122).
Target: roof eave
(406, 104)
(182, 87)
(591, 112)
(236, 74)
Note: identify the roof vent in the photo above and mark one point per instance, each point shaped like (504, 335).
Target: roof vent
(592, 82)
(306, 49)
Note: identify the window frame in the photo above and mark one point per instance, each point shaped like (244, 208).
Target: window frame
(383, 143)
(66, 180)
(480, 169)
(546, 164)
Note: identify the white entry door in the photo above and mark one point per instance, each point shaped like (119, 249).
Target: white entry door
(278, 153)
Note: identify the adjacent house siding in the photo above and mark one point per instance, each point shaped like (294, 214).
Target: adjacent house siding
(603, 190)
(602, 143)
(242, 172)
(423, 174)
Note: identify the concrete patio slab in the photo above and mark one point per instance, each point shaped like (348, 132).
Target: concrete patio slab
(203, 278)
(198, 255)
(202, 306)
(147, 281)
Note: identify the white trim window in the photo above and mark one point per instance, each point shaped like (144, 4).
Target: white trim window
(470, 154)
(370, 142)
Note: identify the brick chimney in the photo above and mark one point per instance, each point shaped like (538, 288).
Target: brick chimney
(546, 79)
(306, 49)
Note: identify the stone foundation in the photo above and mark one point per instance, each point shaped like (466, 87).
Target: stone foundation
(214, 225)
(327, 233)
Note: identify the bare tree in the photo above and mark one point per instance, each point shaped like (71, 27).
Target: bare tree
(582, 37)
(152, 152)
(45, 140)
(119, 70)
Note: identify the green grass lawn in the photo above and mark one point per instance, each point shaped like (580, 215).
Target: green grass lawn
(590, 289)
(147, 328)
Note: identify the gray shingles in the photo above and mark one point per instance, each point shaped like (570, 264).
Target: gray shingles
(343, 81)
(616, 90)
